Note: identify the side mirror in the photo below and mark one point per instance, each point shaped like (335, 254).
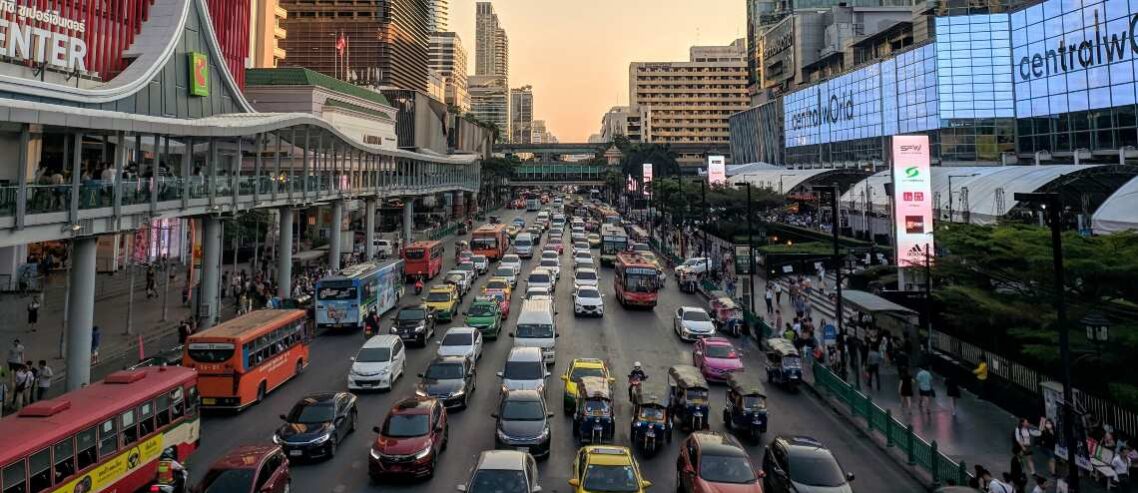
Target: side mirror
(512, 334)
(574, 482)
(420, 375)
(499, 374)
(438, 343)
(353, 358)
(645, 484)
(375, 429)
(849, 476)
(549, 415)
(688, 469)
(556, 335)
(461, 487)
(494, 415)
(612, 380)
(565, 378)
(536, 489)
(760, 473)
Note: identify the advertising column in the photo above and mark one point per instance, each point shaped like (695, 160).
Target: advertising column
(716, 170)
(912, 194)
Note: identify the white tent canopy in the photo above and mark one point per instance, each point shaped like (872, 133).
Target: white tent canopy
(781, 180)
(739, 169)
(1119, 212)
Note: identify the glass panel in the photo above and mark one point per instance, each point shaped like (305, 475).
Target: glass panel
(108, 438)
(85, 444)
(39, 471)
(14, 478)
(64, 460)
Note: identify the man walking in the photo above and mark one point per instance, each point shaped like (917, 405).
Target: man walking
(15, 356)
(770, 301)
(925, 389)
(43, 380)
(33, 313)
(777, 293)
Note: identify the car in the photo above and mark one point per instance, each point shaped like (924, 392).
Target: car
(548, 252)
(552, 265)
(582, 259)
(503, 303)
(316, 424)
(384, 248)
(443, 301)
(716, 358)
(580, 246)
(594, 240)
(588, 300)
(513, 230)
(578, 236)
(607, 468)
(460, 279)
(485, 315)
(464, 256)
(414, 433)
(498, 285)
(467, 265)
(520, 222)
(461, 341)
(536, 231)
(640, 247)
(450, 379)
(802, 464)
(378, 364)
(512, 261)
(580, 368)
(524, 369)
(694, 265)
(414, 323)
(481, 263)
(499, 471)
(586, 276)
(248, 469)
(507, 273)
(692, 322)
(712, 462)
(523, 423)
(541, 278)
(536, 292)
(556, 244)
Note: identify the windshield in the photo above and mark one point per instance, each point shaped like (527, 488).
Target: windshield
(753, 402)
(596, 407)
(438, 296)
(374, 355)
(416, 254)
(588, 293)
(444, 371)
(534, 331)
(725, 352)
(210, 352)
(539, 278)
(497, 481)
(726, 469)
(334, 293)
(484, 243)
(610, 478)
(481, 310)
(406, 425)
(549, 263)
(456, 278)
(504, 272)
(411, 314)
(465, 266)
(305, 413)
(524, 370)
(511, 259)
(228, 481)
(640, 283)
(587, 276)
(523, 242)
(652, 412)
(586, 371)
(697, 395)
(816, 469)
(696, 316)
(515, 410)
(497, 285)
(458, 339)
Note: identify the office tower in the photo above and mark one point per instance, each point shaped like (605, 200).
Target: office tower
(521, 114)
(448, 57)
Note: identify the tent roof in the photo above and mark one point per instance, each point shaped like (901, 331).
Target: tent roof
(736, 169)
(871, 303)
(1119, 212)
(785, 180)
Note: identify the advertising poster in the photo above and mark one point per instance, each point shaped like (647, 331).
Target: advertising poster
(647, 173)
(716, 170)
(912, 191)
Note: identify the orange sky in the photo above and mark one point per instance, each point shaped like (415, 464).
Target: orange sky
(576, 53)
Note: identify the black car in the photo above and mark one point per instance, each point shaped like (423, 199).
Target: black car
(316, 425)
(523, 423)
(450, 379)
(414, 323)
(802, 465)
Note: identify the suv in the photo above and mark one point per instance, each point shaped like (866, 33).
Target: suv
(250, 469)
(714, 462)
(450, 379)
(503, 470)
(414, 323)
(802, 464)
(410, 440)
(378, 363)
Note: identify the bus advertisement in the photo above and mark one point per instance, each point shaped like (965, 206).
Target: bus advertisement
(343, 301)
(241, 360)
(490, 240)
(613, 241)
(423, 259)
(105, 437)
(636, 280)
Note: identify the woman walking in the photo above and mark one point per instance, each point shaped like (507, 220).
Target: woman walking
(906, 390)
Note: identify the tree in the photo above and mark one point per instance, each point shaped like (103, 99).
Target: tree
(496, 172)
(661, 156)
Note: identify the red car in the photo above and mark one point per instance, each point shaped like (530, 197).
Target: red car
(249, 469)
(712, 462)
(411, 439)
(556, 244)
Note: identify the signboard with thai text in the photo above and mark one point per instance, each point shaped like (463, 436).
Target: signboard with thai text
(647, 178)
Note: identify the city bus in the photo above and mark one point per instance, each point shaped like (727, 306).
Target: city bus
(637, 234)
(613, 241)
(105, 437)
(242, 360)
(636, 280)
(490, 240)
(343, 301)
(423, 258)
(533, 202)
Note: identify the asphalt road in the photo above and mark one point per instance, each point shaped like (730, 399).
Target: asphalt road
(620, 338)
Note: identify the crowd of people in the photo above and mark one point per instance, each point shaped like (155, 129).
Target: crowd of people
(21, 381)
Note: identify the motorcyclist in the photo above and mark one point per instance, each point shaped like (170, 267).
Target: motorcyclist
(635, 377)
(419, 285)
(171, 473)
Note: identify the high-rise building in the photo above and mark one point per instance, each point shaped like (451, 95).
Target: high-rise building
(540, 134)
(761, 15)
(265, 33)
(490, 102)
(620, 120)
(439, 16)
(492, 48)
(448, 57)
(521, 114)
(385, 42)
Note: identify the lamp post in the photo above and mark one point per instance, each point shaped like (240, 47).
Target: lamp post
(1052, 204)
(834, 191)
(750, 250)
(951, 214)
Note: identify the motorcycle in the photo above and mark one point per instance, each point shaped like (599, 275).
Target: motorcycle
(178, 485)
(634, 389)
(418, 287)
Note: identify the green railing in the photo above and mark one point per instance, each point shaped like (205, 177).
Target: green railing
(917, 450)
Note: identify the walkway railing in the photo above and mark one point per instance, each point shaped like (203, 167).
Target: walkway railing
(919, 452)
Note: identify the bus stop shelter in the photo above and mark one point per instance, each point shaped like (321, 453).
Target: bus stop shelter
(873, 311)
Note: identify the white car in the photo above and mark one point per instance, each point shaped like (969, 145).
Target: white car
(508, 273)
(552, 265)
(378, 363)
(549, 252)
(586, 277)
(512, 261)
(538, 292)
(582, 257)
(461, 341)
(691, 323)
(578, 236)
(588, 300)
(694, 265)
(580, 246)
(462, 279)
(481, 263)
(384, 248)
(497, 466)
(541, 278)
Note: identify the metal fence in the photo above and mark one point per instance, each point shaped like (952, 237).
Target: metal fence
(917, 450)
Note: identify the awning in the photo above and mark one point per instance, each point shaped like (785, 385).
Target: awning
(1119, 212)
(309, 255)
(868, 302)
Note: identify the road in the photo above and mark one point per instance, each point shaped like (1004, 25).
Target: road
(620, 338)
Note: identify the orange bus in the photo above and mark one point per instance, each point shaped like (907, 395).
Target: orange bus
(423, 258)
(106, 437)
(490, 240)
(636, 280)
(242, 360)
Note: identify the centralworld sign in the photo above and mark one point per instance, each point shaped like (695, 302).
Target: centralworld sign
(27, 35)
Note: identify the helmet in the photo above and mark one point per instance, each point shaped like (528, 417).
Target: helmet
(169, 454)
(636, 365)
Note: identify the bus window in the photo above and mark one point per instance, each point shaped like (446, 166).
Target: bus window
(14, 478)
(64, 460)
(210, 352)
(163, 405)
(129, 427)
(39, 469)
(192, 405)
(85, 443)
(415, 254)
(177, 404)
(145, 419)
(108, 438)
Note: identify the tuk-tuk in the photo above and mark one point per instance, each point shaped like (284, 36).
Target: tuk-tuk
(784, 365)
(462, 229)
(746, 410)
(688, 397)
(727, 314)
(650, 418)
(594, 420)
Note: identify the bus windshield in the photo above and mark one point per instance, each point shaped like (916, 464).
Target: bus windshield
(210, 352)
(415, 254)
(483, 242)
(639, 283)
(336, 293)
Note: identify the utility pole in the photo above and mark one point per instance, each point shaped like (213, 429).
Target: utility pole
(706, 217)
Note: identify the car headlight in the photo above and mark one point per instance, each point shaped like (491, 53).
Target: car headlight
(277, 439)
(375, 454)
(505, 388)
(503, 436)
(422, 454)
(421, 327)
(421, 392)
(544, 434)
(384, 370)
(394, 330)
(458, 393)
(322, 438)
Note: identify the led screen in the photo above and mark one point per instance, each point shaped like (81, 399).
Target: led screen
(974, 66)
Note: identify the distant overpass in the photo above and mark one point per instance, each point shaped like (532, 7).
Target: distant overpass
(549, 167)
(682, 150)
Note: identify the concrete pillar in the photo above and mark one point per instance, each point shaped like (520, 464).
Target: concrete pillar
(80, 312)
(369, 226)
(284, 255)
(335, 234)
(11, 258)
(408, 219)
(211, 273)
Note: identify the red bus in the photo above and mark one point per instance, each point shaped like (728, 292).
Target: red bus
(106, 437)
(490, 240)
(636, 280)
(423, 258)
(242, 360)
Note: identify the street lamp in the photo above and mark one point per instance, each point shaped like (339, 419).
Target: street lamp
(951, 215)
(750, 250)
(834, 192)
(1052, 204)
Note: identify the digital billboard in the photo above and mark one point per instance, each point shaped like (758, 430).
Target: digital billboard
(974, 66)
(647, 178)
(716, 170)
(843, 108)
(912, 194)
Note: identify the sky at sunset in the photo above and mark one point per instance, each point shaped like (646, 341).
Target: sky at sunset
(576, 53)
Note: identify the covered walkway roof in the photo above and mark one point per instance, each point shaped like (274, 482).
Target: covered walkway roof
(785, 180)
(867, 302)
(1119, 212)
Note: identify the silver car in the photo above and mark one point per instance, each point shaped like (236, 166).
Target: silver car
(503, 470)
(691, 323)
(461, 341)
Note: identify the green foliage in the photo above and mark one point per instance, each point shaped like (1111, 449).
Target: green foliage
(661, 156)
(807, 248)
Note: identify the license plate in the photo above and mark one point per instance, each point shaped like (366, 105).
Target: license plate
(597, 428)
(209, 401)
(295, 453)
(756, 422)
(698, 414)
(651, 433)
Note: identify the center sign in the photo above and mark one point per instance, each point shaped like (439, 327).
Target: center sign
(28, 33)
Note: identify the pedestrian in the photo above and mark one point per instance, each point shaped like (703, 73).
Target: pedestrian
(184, 331)
(905, 389)
(901, 359)
(925, 389)
(770, 300)
(952, 389)
(994, 485)
(777, 319)
(981, 373)
(3, 391)
(1121, 465)
(1047, 442)
(1017, 477)
(23, 382)
(96, 339)
(873, 368)
(151, 282)
(15, 356)
(1023, 434)
(777, 293)
(34, 312)
(43, 380)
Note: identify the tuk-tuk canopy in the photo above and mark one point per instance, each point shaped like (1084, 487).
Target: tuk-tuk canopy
(594, 388)
(744, 383)
(781, 347)
(654, 394)
(687, 376)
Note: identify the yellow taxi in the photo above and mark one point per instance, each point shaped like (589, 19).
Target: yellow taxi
(497, 284)
(443, 301)
(606, 468)
(513, 231)
(578, 368)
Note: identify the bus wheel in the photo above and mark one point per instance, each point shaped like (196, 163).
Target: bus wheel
(261, 392)
(299, 366)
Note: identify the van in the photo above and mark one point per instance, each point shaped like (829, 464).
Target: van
(523, 245)
(536, 327)
(378, 364)
(524, 370)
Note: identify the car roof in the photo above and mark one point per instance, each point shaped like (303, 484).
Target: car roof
(586, 269)
(510, 460)
(461, 330)
(608, 455)
(587, 362)
(414, 405)
(448, 359)
(318, 398)
(802, 444)
(414, 306)
(442, 287)
(713, 443)
(244, 457)
(692, 309)
(498, 278)
(382, 340)
(522, 395)
(716, 341)
(524, 354)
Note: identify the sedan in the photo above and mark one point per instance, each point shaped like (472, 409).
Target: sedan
(580, 246)
(594, 240)
(588, 300)
(586, 277)
(481, 263)
(512, 261)
(450, 379)
(713, 463)
(508, 273)
(413, 435)
(523, 423)
(556, 244)
(316, 425)
(503, 470)
(582, 259)
(552, 265)
(578, 236)
(467, 266)
(461, 341)
(716, 358)
(802, 464)
(461, 280)
(692, 322)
